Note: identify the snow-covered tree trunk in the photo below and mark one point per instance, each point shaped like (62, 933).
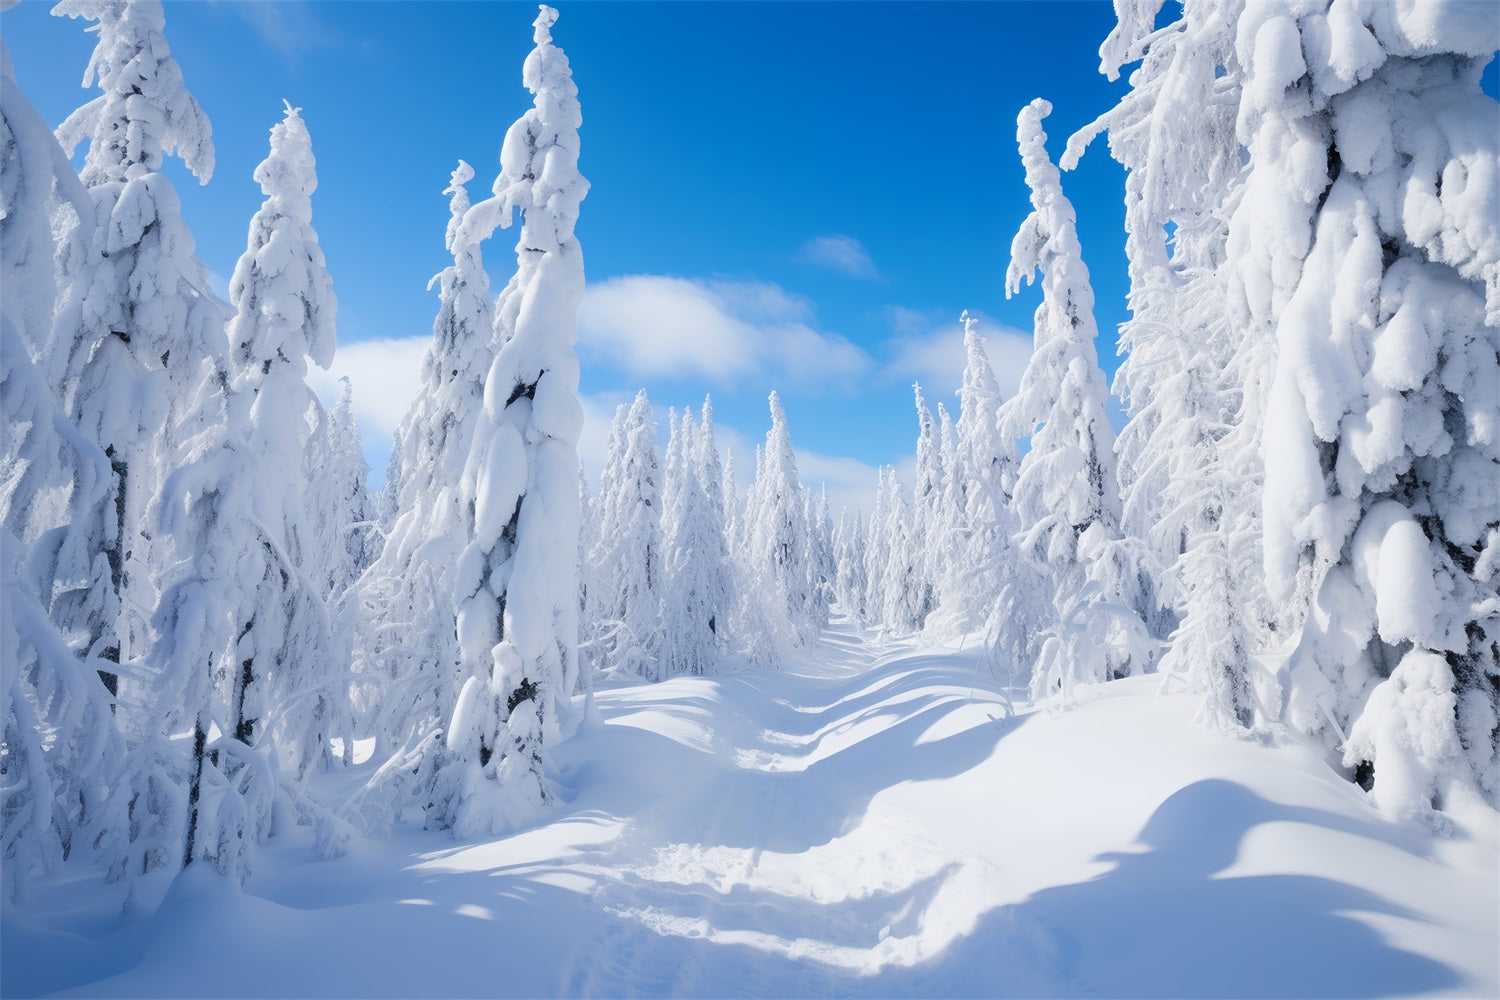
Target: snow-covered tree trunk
(517, 580)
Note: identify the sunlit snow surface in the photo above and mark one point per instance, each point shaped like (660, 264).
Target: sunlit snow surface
(868, 821)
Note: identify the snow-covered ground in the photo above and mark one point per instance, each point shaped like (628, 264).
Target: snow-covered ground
(869, 820)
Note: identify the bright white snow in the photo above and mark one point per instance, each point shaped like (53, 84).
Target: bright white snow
(867, 820)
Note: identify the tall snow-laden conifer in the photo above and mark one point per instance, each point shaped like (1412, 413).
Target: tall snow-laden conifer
(136, 331)
(926, 527)
(975, 538)
(695, 595)
(901, 589)
(849, 553)
(777, 535)
(288, 664)
(62, 747)
(629, 564)
(409, 659)
(517, 581)
(342, 540)
(1370, 244)
(1065, 496)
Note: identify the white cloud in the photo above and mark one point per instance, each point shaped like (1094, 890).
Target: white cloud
(840, 253)
(654, 325)
(385, 373)
(930, 349)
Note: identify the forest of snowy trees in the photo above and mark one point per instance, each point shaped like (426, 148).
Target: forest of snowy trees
(1299, 520)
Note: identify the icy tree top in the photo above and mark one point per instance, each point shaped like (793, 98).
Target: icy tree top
(289, 174)
(458, 205)
(539, 159)
(280, 289)
(145, 110)
(546, 17)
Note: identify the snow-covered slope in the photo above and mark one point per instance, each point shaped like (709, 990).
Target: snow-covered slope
(870, 820)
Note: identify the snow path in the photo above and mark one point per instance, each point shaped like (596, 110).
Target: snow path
(856, 823)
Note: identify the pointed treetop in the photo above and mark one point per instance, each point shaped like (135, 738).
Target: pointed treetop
(546, 17)
(290, 171)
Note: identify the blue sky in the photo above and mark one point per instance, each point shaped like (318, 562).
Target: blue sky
(795, 196)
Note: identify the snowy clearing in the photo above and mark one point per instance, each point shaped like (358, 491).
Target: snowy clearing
(865, 821)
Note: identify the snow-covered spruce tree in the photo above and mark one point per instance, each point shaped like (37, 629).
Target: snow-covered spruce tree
(136, 326)
(715, 478)
(211, 806)
(849, 554)
(695, 591)
(824, 571)
(407, 657)
(341, 540)
(974, 539)
(1191, 380)
(901, 587)
(517, 581)
(628, 561)
(290, 676)
(62, 749)
(778, 536)
(1065, 501)
(875, 551)
(1370, 245)
(926, 520)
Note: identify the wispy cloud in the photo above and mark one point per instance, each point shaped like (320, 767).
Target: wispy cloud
(840, 253)
(929, 348)
(653, 325)
(289, 26)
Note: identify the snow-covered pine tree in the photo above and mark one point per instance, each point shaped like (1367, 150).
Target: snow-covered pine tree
(777, 535)
(876, 549)
(289, 682)
(927, 496)
(695, 594)
(213, 805)
(342, 540)
(1370, 245)
(407, 656)
(975, 538)
(821, 559)
(517, 581)
(849, 554)
(628, 560)
(1065, 497)
(127, 351)
(1188, 378)
(62, 746)
(715, 477)
(900, 587)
